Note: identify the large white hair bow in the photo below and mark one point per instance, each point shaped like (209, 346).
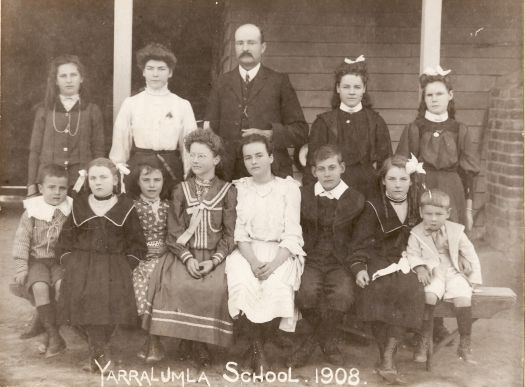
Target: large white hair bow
(360, 58)
(413, 165)
(82, 174)
(436, 71)
(123, 169)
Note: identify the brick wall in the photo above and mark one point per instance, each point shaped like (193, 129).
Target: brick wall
(504, 204)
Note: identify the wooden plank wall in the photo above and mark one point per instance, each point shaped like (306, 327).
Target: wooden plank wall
(307, 39)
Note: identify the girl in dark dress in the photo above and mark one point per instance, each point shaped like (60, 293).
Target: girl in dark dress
(68, 128)
(355, 127)
(392, 301)
(99, 245)
(451, 157)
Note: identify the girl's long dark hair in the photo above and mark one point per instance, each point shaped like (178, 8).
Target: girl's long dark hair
(424, 80)
(51, 87)
(358, 69)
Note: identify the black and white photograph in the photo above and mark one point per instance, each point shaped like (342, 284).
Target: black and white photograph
(264, 193)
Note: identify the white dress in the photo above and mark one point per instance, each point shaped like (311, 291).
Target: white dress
(268, 216)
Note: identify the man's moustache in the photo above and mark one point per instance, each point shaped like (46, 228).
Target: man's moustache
(246, 54)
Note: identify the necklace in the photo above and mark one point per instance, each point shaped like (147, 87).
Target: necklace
(202, 187)
(396, 201)
(437, 132)
(263, 189)
(67, 129)
(102, 198)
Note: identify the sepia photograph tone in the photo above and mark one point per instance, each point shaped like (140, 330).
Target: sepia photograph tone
(261, 193)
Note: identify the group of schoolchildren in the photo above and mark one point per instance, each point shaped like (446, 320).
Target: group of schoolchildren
(368, 233)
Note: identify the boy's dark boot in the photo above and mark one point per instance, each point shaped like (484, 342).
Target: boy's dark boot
(201, 354)
(464, 318)
(144, 350)
(156, 351)
(184, 349)
(259, 360)
(97, 354)
(302, 354)
(34, 328)
(56, 343)
(379, 332)
(389, 352)
(388, 370)
(439, 331)
(329, 337)
(425, 345)
(247, 361)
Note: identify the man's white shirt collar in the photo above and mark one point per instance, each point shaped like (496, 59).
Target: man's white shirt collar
(334, 193)
(436, 117)
(349, 109)
(252, 73)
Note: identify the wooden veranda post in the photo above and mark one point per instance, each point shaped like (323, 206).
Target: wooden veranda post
(430, 34)
(122, 53)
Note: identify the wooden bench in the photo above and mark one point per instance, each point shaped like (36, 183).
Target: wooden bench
(486, 302)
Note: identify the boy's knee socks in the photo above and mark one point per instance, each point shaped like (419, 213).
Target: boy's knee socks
(46, 314)
(428, 314)
(428, 317)
(464, 319)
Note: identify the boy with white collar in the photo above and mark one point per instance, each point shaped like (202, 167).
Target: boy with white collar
(329, 209)
(34, 249)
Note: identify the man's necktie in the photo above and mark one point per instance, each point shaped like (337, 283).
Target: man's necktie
(247, 78)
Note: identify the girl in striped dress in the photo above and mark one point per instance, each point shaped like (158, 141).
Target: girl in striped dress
(188, 296)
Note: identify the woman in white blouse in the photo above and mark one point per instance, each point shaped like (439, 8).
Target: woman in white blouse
(154, 121)
(265, 270)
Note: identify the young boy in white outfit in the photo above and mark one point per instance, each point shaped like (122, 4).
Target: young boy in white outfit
(447, 265)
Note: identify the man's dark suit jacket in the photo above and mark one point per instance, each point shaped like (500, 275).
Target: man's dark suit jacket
(272, 104)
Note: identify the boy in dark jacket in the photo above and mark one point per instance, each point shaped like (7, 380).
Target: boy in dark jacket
(329, 209)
